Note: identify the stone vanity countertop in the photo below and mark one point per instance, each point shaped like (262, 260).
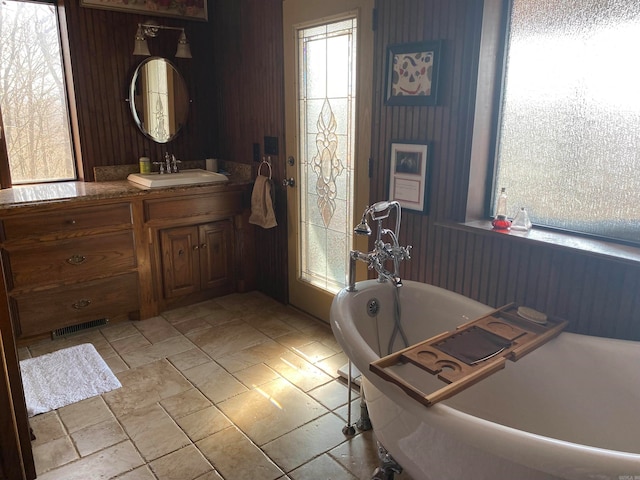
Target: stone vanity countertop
(65, 192)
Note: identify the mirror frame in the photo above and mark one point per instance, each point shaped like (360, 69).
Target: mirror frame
(132, 99)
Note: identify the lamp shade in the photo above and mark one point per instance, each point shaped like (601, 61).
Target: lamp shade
(141, 47)
(183, 50)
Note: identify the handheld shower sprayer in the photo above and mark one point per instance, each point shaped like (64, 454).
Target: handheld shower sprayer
(363, 227)
(378, 211)
(381, 206)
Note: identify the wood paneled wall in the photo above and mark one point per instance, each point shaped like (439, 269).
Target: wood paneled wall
(101, 46)
(250, 105)
(235, 70)
(235, 79)
(599, 296)
(237, 88)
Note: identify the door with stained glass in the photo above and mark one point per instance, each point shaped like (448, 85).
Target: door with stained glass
(328, 69)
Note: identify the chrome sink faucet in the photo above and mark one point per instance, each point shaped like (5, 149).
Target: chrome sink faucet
(174, 164)
(169, 165)
(382, 252)
(161, 169)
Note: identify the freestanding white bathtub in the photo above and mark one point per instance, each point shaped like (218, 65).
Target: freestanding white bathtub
(570, 409)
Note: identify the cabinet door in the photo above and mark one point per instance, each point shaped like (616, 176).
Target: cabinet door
(180, 268)
(216, 255)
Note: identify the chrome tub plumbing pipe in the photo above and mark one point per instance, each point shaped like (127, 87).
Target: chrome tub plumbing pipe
(376, 260)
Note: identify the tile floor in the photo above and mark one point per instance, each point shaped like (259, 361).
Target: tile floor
(235, 388)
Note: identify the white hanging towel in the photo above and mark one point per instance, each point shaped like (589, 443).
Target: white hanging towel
(262, 213)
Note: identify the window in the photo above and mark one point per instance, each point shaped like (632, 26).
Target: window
(326, 110)
(33, 98)
(568, 146)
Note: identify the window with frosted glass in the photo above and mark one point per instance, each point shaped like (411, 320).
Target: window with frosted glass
(326, 113)
(569, 138)
(33, 97)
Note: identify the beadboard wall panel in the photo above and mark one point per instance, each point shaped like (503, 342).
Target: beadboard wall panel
(248, 68)
(599, 296)
(101, 45)
(237, 88)
(235, 80)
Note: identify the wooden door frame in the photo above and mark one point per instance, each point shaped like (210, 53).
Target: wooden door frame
(16, 454)
(325, 13)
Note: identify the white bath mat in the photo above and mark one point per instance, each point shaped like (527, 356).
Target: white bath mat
(67, 376)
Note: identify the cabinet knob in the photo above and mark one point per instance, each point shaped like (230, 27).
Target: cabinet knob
(180, 252)
(196, 247)
(71, 222)
(80, 304)
(204, 245)
(76, 259)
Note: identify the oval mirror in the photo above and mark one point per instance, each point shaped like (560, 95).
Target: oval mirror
(159, 99)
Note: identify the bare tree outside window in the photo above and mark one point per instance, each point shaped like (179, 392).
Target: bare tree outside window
(33, 99)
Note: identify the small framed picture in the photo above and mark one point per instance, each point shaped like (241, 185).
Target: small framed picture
(408, 175)
(412, 73)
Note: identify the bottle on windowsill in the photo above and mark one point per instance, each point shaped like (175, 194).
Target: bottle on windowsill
(501, 206)
(521, 221)
(501, 222)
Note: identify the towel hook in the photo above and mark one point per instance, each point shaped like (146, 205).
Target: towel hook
(268, 165)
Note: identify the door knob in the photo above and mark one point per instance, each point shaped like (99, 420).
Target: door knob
(289, 182)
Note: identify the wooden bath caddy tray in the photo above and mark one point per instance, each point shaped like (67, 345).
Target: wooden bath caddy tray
(471, 352)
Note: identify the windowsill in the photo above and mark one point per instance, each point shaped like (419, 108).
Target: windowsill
(539, 236)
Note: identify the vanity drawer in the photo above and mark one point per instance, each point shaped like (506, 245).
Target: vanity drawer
(67, 220)
(75, 259)
(214, 205)
(45, 311)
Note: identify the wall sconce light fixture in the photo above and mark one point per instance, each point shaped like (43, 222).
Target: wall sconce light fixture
(150, 29)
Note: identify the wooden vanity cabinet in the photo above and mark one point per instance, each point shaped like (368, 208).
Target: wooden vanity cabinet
(68, 265)
(87, 259)
(196, 258)
(199, 244)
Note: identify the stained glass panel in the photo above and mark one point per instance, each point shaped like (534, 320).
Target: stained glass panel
(326, 101)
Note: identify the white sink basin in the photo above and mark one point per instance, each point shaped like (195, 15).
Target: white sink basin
(185, 177)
